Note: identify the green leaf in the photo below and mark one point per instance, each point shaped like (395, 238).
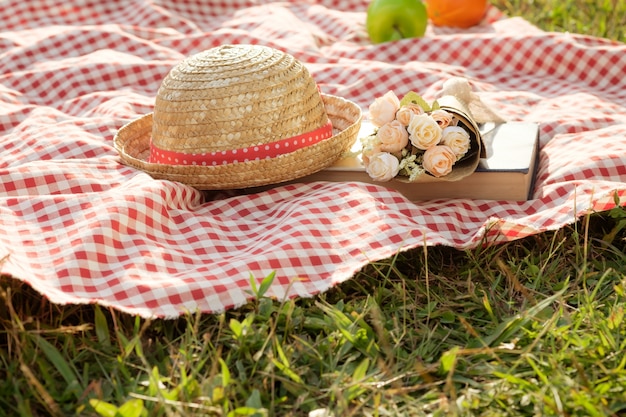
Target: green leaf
(254, 400)
(103, 408)
(448, 317)
(284, 364)
(57, 359)
(259, 291)
(413, 97)
(361, 370)
(520, 382)
(281, 353)
(544, 378)
(225, 372)
(510, 327)
(616, 199)
(266, 283)
(129, 346)
(217, 394)
(131, 408)
(102, 327)
(252, 279)
(448, 359)
(244, 411)
(236, 327)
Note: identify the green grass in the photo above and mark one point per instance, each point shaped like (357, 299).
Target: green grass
(602, 18)
(529, 328)
(533, 327)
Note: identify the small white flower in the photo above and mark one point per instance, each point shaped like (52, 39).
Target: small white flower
(321, 412)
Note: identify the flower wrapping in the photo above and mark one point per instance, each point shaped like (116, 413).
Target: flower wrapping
(417, 142)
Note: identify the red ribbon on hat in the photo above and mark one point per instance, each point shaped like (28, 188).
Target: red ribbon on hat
(250, 153)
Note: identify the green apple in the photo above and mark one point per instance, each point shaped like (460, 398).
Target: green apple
(390, 20)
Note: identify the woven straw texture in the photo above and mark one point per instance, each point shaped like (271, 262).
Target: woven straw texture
(133, 142)
(232, 97)
(80, 225)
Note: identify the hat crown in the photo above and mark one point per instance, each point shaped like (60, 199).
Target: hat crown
(214, 110)
(235, 96)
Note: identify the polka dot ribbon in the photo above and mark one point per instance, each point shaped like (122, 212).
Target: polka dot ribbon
(250, 153)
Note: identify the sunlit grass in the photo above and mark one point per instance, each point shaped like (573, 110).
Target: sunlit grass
(602, 18)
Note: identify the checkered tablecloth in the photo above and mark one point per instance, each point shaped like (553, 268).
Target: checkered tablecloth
(80, 227)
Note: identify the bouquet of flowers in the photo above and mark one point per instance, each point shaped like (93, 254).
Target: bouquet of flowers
(415, 140)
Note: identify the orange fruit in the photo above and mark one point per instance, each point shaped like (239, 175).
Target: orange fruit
(456, 13)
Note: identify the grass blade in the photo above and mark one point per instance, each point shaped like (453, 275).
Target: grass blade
(102, 327)
(58, 361)
(506, 330)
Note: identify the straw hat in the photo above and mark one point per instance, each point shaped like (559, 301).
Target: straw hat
(239, 116)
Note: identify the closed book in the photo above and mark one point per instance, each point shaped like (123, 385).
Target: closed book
(506, 169)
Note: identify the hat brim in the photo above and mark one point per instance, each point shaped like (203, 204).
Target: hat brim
(132, 142)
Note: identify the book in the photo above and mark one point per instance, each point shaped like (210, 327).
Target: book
(506, 169)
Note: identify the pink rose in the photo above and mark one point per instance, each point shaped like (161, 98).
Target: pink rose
(393, 137)
(457, 139)
(404, 114)
(442, 117)
(424, 132)
(383, 109)
(439, 160)
(383, 166)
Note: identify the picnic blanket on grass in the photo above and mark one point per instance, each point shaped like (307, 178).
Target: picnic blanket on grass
(80, 227)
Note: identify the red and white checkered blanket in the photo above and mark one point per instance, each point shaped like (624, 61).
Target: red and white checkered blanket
(80, 227)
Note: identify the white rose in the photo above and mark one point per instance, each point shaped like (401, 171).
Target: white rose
(393, 137)
(383, 166)
(424, 131)
(383, 109)
(457, 139)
